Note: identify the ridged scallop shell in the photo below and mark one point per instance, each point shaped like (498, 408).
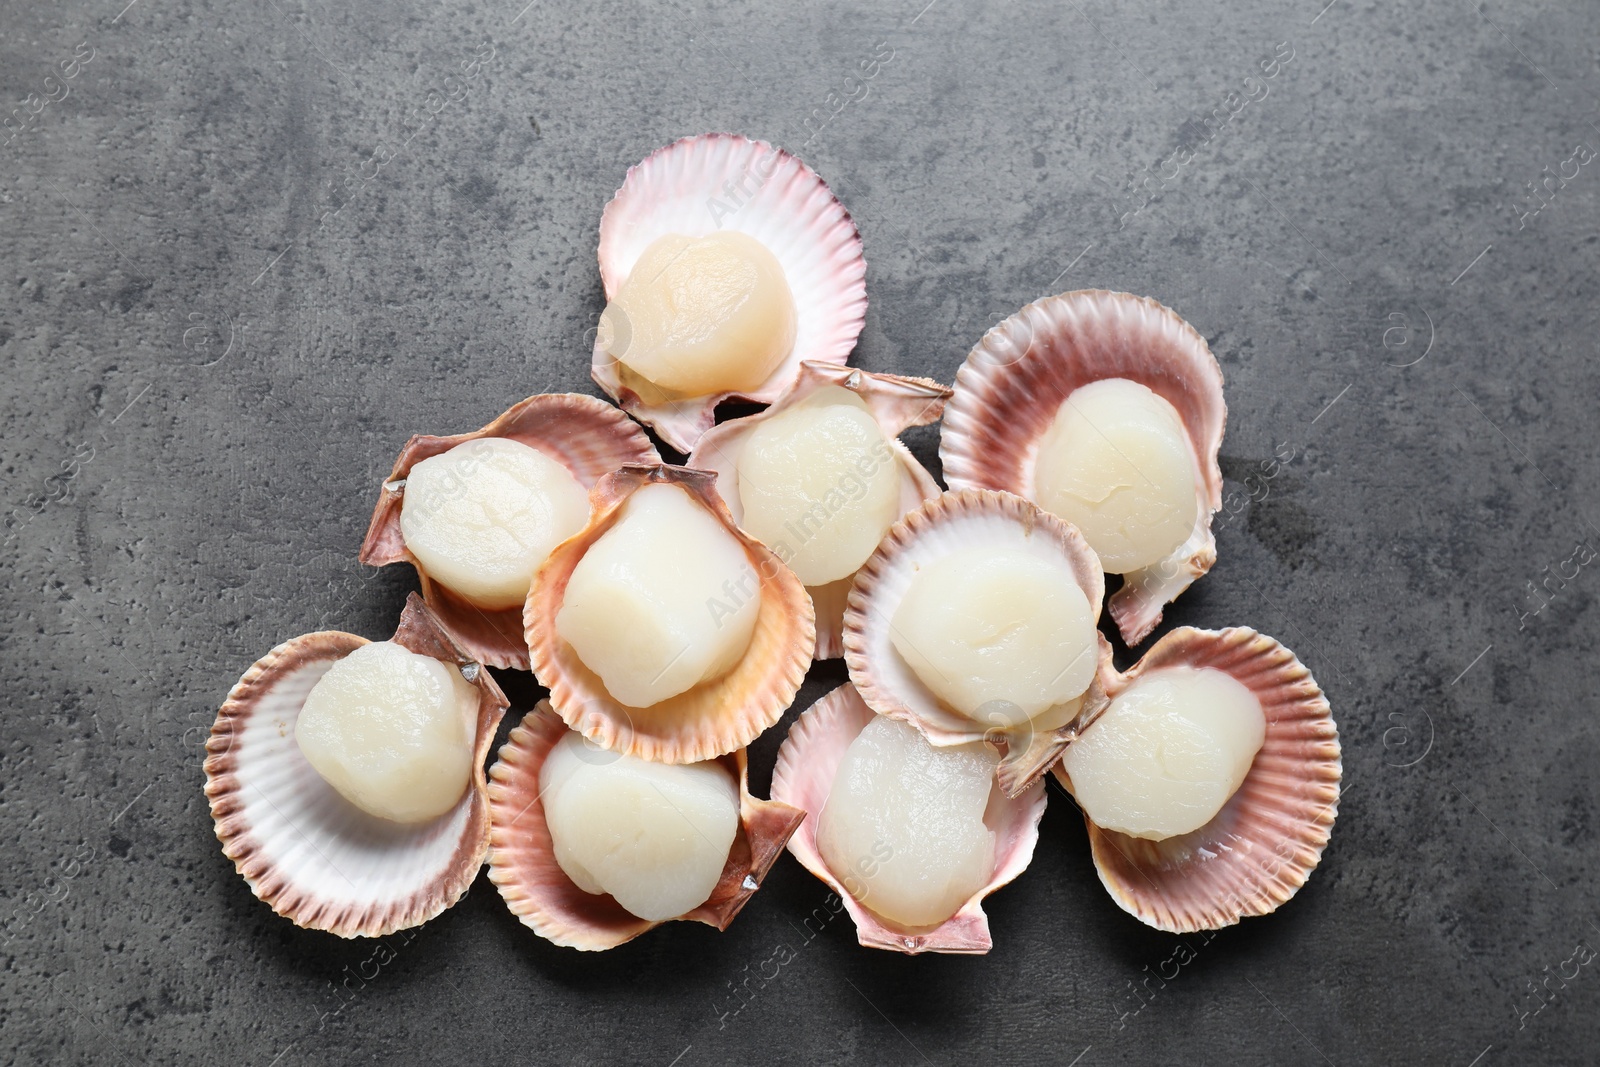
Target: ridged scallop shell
(684, 189)
(807, 763)
(317, 859)
(1015, 379)
(711, 719)
(897, 403)
(587, 436)
(888, 684)
(1260, 848)
(522, 862)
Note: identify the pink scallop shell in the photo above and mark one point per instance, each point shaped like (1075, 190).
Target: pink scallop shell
(684, 189)
(587, 436)
(897, 403)
(314, 857)
(1015, 379)
(807, 763)
(711, 719)
(523, 866)
(1260, 848)
(888, 684)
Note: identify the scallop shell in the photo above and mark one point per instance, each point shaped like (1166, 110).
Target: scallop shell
(807, 763)
(587, 436)
(888, 684)
(1260, 848)
(1015, 379)
(699, 185)
(523, 866)
(711, 719)
(897, 403)
(317, 859)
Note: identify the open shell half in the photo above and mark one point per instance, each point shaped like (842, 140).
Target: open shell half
(722, 181)
(1259, 849)
(896, 402)
(587, 436)
(523, 866)
(317, 859)
(1016, 378)
(889, 685)
(807, 763)
(713, 718)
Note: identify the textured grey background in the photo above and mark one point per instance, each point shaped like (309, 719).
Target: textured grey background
(221, 315)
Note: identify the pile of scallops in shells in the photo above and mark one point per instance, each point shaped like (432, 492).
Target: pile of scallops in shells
(673, 611)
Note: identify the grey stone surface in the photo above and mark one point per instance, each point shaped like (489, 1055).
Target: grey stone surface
(220, 317)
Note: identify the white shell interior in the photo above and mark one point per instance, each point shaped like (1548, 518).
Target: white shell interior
(654, 836)
(482, 517)
(327, 847)
(817, 484)
(1167, 753)
(903, 827)
(663, 600)
(1117, 463)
